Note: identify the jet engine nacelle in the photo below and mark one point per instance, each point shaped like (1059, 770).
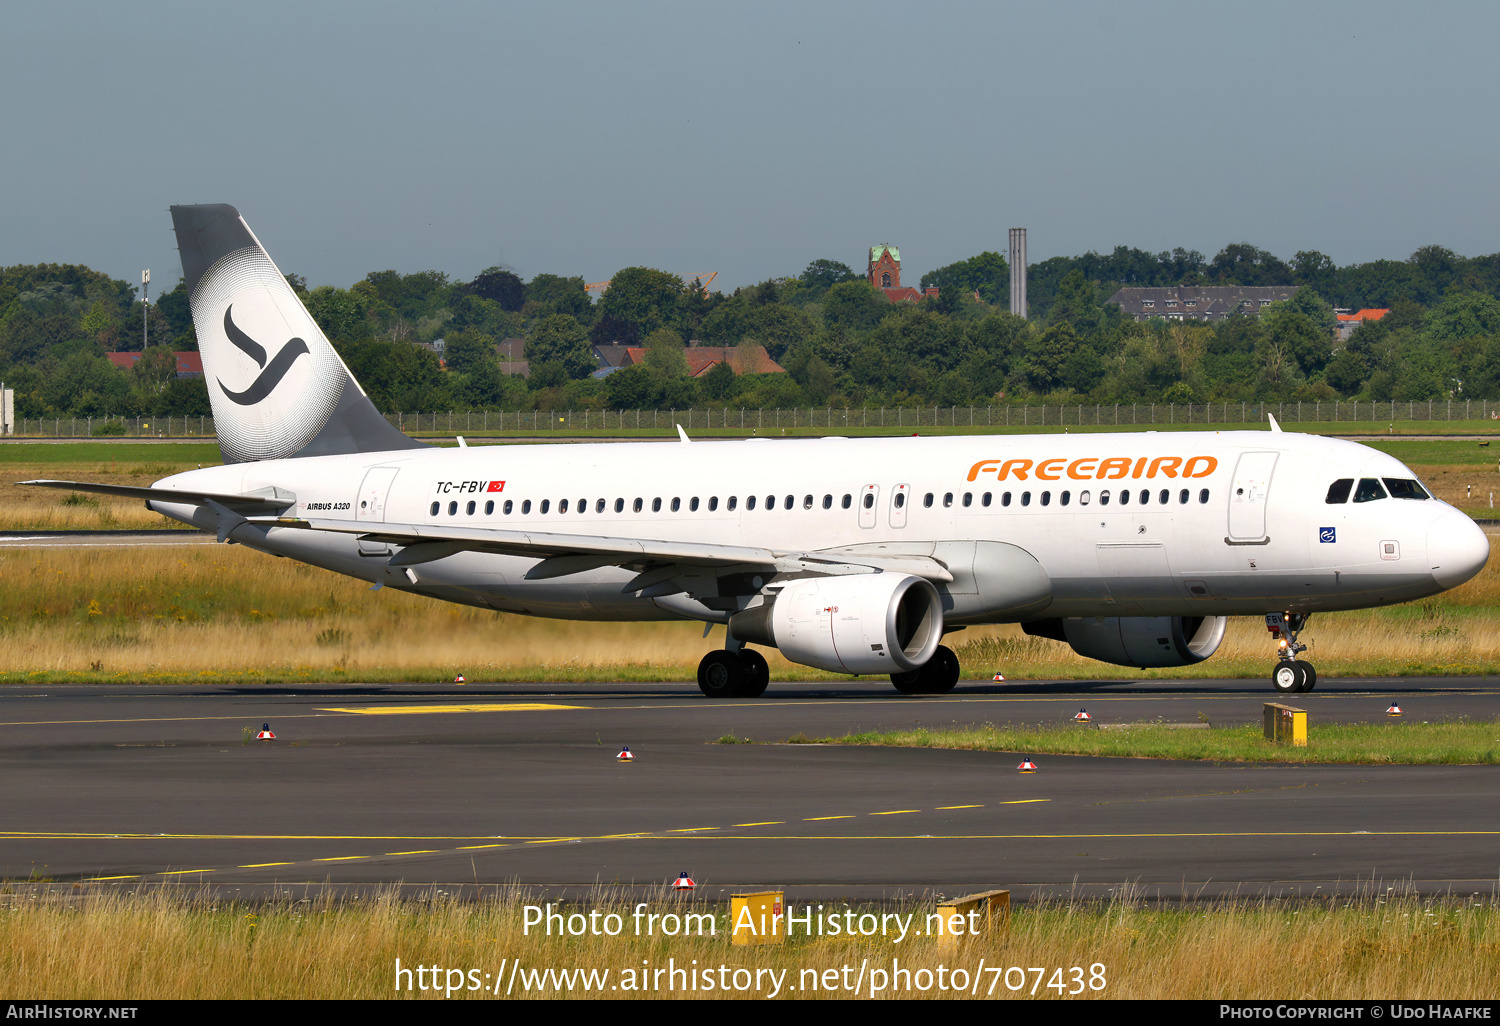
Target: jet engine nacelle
(1139, 641)
(862, 623)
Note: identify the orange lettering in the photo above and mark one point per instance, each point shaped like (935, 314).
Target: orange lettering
(1166, 464)
(1078, 472)
(1210, 465)
(1114, 463)
(1043, 467)
(1020, 467)
(1139, 466)
(981, 467)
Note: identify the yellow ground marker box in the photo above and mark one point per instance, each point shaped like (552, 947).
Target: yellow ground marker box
(757, 918)
(954, 922)
(1285, 725)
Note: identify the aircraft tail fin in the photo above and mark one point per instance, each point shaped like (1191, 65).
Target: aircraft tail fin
(276, 385)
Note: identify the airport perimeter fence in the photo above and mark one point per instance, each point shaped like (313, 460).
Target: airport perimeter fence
(820, 418)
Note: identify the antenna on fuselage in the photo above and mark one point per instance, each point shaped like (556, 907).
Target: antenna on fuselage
(1272, 418)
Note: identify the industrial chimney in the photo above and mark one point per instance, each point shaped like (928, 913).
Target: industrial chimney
(1018, 271)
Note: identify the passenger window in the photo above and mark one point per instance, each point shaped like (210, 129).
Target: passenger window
(1005, 499)
(828, 502)
(713, 503)
(1338, 492)
(807, 502)
(1046, 498)
(676, 504)
(1164, 496)
(435, 507)
(471, 508)
(1404, 488)
(1083, 498)
(619, 505)
(869, 500)
(984, 500)
(1203, 495)
(562, 507)
(1145, 496)
(638, 505)
(656, 505)
(599, 506)
(583, 505)
(1026, 498)
(791, 500)
(489, 507)
(452, 508)
(847, 500)
(947, 499)
(1124, 497)
(927, 500)
(546, 504)
(900, 500)
(749, 502)
(734, 500)
(1182, 497)
(693, 505)
(1369, 490)
(1104, 497)
(771, 503)
(507, 508)
(968, 499)
(1065, 498)
(526, 507)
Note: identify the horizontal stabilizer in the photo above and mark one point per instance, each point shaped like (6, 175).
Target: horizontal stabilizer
(260, 500)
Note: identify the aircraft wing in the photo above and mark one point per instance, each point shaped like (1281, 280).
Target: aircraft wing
(661, 561)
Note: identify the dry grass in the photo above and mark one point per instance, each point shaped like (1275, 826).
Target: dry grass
(122, 947)
(226, 612)
(48, 509)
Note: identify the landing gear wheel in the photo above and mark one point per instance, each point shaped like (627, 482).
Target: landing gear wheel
(757, 673)
(1309, 675)
(908, 683)
(940, 673)
(1287, 677)
(720, 674)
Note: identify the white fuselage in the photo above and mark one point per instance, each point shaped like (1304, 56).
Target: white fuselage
(1216, 523)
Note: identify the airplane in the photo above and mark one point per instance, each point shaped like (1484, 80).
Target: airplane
(855, 556)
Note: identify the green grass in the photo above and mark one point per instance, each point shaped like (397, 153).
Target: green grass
(1457, 743)
(180, 455)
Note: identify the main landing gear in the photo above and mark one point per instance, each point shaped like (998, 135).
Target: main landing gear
(727, 674)
(1292, 675)
(935, 677)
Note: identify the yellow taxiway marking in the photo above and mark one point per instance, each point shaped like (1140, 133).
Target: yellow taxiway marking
(816, 819)
(96, 878)
(177, 872)
(425, 851)
(895, 812)
(343, 858)
(769, 822)
(688, 830)
(265, 865)
(942, 807)
(412, 710)
(476, 847)
(1024, 801)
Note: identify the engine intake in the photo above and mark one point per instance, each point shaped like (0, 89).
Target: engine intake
(1139, 641)
(865, 623)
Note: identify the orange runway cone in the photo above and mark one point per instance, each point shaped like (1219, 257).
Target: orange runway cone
(625, 755)
(683, 883)
(460, 679)
(1083, 716)
(265, 733)
(1394, 710)
(999, 677)
(1027, 766)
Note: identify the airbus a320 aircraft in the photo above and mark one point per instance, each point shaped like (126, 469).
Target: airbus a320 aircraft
(854, 556)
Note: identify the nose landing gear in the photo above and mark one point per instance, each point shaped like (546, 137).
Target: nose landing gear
(1291, 675)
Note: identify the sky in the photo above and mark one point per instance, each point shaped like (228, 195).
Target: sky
(748, 139)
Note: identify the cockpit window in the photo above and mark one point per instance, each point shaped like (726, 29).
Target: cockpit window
(1369, 490)
(1405, 488)
(1339, 491)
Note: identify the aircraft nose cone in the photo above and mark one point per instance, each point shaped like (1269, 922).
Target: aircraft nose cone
(1456, 549)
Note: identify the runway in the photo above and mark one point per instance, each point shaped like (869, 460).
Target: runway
(465, 786)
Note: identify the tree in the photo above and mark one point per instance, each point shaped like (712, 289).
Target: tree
(562, 338)
(1240, 263)
(1048, 355)
(553, 294)
(719, 382)
(498, 285)
(643, 298)
(664, 355)
(339, 312)
(855, 305)
(822, 275)
(465, 351)
(987, 274)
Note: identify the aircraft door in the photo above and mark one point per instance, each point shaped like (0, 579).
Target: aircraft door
(374, 490)
(868, 496)
(1248, 495)
(900, 495)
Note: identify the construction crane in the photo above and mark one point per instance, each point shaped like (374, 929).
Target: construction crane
(706, 277)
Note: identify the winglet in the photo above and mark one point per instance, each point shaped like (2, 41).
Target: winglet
(1272, 418)
(682, 434)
